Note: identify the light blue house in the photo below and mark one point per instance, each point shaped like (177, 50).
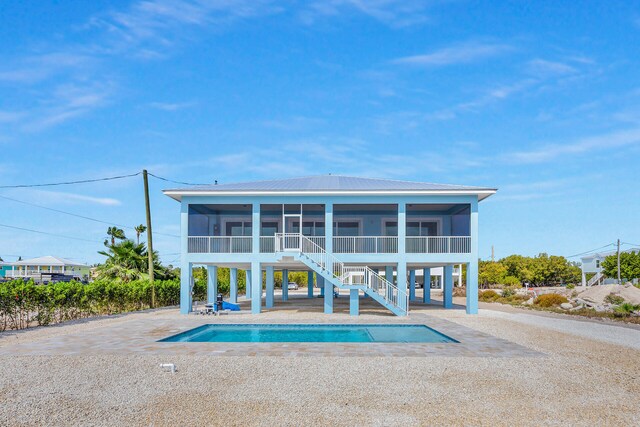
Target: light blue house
(369, 236)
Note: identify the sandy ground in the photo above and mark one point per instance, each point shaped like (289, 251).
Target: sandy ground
(588, 374)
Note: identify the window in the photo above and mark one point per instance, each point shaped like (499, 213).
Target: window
(269, 228)
(313, 228)
(422, 228)
(346, 228)
(390, 228)
(238, 228)
(597, 263)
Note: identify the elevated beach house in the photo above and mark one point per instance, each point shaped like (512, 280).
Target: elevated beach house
(369, 236)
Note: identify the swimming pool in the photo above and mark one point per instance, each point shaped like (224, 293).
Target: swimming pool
(311, 333)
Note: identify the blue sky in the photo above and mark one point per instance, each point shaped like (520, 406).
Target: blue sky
(540, 99)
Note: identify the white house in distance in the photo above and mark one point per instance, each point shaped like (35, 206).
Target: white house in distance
(592, 263)
(45, 268)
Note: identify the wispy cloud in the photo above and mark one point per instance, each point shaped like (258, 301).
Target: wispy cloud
(461, 53)
(35, 68)
(542, 67)
(169, 106)
(551, 152)
(149, 25)
(63, 197)
(68, 101)
(395, 13)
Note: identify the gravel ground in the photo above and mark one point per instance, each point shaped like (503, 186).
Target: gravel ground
(582, 380)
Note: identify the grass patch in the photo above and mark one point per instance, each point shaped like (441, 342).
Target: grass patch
(550, 300)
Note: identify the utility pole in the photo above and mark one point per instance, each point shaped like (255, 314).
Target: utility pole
(493, 258)
(619, 280)
(149, 237)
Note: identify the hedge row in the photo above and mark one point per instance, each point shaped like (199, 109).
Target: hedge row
(25, 304)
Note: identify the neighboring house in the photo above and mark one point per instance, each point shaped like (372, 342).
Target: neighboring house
(4, 267)
(47, 269)
(592, 263)
(378, 229)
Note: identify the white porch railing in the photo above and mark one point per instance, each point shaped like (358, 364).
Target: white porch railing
(219, 244)
(268, 243)
(365, 244)
(348, 275)
(34, 273)
(438, 245)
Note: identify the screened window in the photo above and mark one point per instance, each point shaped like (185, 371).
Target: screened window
(346, 228)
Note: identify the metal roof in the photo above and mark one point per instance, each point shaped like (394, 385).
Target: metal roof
(49, 260)
(329, 184)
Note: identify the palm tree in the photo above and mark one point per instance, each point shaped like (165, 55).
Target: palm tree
(115, 233)
(127, 261)
(139, 230)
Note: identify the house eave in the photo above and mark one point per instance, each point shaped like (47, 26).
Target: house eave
(482, 193)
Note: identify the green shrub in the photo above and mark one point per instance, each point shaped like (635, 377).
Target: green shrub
(24, 303)
(488, 296)
(614, 299)
(626, 309)
(571, 286)
(550, 300)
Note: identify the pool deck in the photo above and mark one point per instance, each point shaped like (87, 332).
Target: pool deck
(139, 334)
(510, 368)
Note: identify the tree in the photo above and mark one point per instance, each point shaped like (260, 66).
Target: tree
(115, 233)
(127, 261)
(139, 230)
(629, 265)
(491, 273)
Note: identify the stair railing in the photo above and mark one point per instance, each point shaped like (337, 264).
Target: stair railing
(348, 275)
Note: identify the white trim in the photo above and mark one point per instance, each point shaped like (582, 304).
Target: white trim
(479, 193)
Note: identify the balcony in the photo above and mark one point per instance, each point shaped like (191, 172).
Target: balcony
(438, 245)
(365, 245)
(384, 244)
(220, 245)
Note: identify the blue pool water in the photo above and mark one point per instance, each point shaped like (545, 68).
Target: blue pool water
(311, 333)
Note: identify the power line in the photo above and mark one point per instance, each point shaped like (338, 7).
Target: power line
(84, 181)
(78, 215)
(631, 244)
(49, 234)
(175, 182)
(592, 250)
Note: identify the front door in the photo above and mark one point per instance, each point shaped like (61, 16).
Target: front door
(292, 240)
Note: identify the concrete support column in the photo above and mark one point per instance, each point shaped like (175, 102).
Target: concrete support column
(285, 285)
(321, 285)
(185, 288)
(584, 278)
(472, 287)
(233, 285)
(472, 267)
(269, 285)
(247, 284)
(412, 285)
(426, 288)
(212, 283)
(402, 285)
(310, 284)
(255, 249)
(447, 288)
(328, 286)
(354, 302)
(256, 288)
